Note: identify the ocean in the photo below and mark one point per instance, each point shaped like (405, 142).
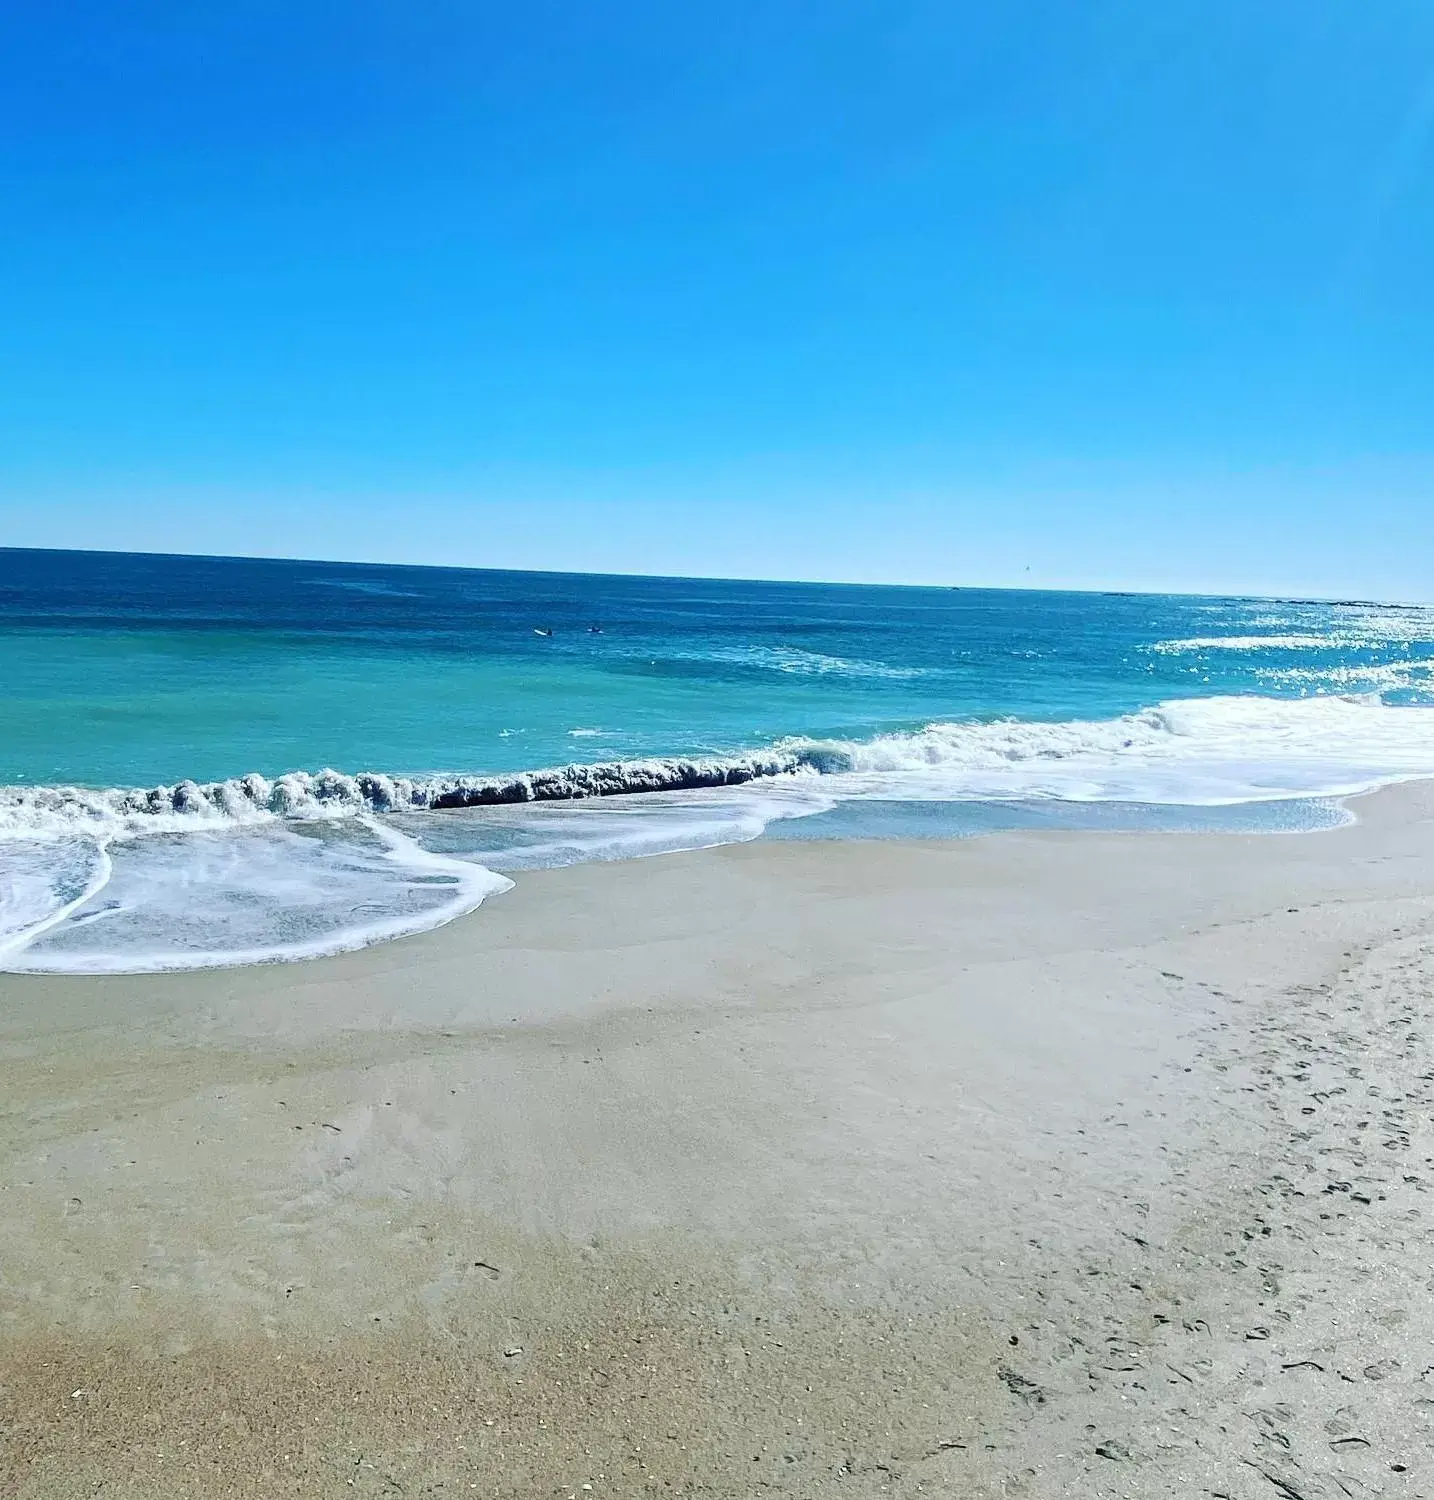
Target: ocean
(210, 761)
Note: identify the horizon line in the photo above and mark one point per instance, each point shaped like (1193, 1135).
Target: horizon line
(1007, 588)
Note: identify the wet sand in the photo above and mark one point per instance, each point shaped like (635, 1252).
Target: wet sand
(1037, 1165)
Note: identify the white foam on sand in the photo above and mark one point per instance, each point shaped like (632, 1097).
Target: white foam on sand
(44, 880)
(240, 896)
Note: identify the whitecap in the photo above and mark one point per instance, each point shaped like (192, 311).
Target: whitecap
(1193, 751)
(792, 661)
(1287, 642)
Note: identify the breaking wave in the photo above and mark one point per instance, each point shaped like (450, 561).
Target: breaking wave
(1267, 747)
(1193, 751)
(304, 796)
(252, 869)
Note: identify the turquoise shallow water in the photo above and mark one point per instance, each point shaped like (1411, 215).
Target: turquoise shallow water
(166, 723)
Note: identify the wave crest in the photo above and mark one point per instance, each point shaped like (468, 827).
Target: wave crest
(1187, 750)
(189, 805)
(261, 874)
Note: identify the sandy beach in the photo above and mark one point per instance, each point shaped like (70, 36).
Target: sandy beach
(1031, 1165)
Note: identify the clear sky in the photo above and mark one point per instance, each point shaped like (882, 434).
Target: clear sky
(1128, 293)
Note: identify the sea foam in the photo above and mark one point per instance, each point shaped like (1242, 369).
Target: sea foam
(187, 806)
(210, 899)
(253, 869)
(1193, 751)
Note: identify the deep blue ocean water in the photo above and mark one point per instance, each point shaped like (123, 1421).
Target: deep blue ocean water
(165, 724)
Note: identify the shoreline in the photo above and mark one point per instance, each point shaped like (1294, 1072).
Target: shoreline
(876, 1168)
(856, 820)
(190, 874)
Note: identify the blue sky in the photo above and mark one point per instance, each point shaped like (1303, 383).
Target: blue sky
(1107, 294)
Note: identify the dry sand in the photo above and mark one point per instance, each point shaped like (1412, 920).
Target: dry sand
(1033, 1165)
